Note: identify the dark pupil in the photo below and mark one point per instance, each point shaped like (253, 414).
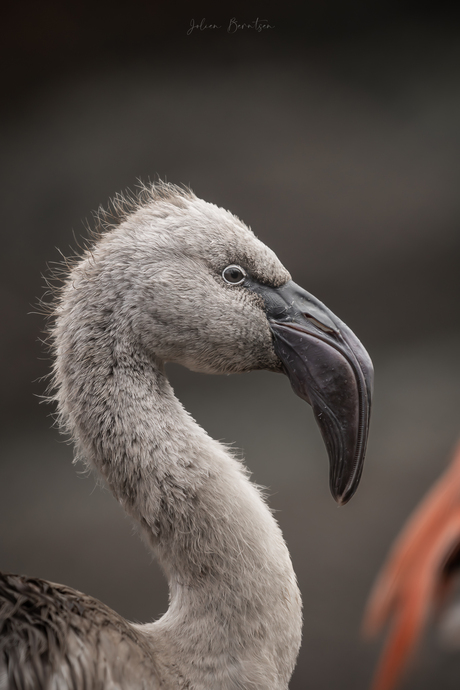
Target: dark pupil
(233, 275)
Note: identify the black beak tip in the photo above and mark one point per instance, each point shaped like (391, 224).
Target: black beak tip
(342, 497)
(344, 487)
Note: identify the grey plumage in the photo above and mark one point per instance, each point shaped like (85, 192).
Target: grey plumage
(150, 290)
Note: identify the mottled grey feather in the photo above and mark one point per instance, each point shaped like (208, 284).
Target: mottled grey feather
(52, 636)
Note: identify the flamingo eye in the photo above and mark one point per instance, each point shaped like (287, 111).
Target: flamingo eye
(234, 275)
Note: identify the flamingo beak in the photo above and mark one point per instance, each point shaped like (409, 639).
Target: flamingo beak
(330, 369)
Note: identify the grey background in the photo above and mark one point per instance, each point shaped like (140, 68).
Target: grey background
(335, 135)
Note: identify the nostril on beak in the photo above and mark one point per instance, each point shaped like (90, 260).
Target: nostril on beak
(318, 324)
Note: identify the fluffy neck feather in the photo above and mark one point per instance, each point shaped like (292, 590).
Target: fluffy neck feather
(235, 613)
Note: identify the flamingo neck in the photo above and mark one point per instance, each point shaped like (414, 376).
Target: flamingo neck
(235, 612)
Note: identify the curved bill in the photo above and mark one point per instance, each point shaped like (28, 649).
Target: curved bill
(329, 368)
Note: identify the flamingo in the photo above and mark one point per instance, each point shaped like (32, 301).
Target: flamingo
(417, 576)
(173, 278)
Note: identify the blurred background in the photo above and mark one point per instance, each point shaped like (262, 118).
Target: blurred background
(334, 133)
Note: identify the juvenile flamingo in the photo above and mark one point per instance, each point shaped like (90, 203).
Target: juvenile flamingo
(177, 279)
